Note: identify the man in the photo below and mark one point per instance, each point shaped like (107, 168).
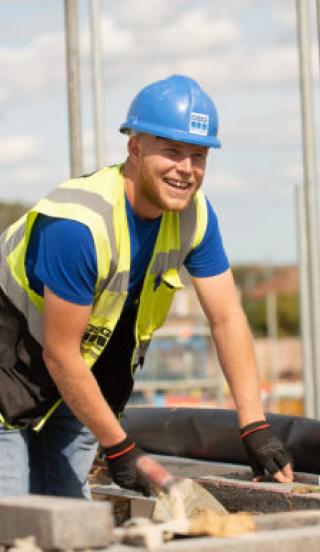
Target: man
(88, 275)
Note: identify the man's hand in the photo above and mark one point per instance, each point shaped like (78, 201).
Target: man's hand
(131, 468)
(266, 452)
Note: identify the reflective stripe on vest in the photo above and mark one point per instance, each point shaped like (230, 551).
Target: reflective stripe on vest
(14, 288)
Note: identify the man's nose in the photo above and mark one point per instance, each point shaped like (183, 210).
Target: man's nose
(185, 164)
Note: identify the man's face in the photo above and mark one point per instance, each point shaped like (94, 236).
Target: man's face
(169, 173)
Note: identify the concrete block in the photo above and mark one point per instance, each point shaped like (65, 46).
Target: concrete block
(287, 520)
(60, 523)
(187, 467)
(264, 497)
(286, 540)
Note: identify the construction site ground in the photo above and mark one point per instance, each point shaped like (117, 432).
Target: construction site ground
(286, 516)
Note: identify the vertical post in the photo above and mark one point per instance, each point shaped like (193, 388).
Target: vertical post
(318, 21)
(73, 84)
(97, 84)
(309, 165)
(272, 333)
(305, 316)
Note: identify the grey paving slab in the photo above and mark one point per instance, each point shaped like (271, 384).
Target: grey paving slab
(60, 523)
(287, 520)
(244, 495)
(127, 548)
(187, 467)
(286, 540)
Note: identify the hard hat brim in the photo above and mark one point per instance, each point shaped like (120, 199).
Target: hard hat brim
(170, 134)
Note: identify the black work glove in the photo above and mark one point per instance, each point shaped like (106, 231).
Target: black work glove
(121, 460)
(265, 450)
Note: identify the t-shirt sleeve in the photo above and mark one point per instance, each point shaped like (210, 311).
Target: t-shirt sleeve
(209, 257)
(66, 261)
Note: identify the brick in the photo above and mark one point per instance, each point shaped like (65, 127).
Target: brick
(60, 523)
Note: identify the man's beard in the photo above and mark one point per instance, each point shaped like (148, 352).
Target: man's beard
(153, 192)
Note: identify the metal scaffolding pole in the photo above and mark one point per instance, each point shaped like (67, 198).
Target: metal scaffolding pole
(310, 195)
(272, 333)
(97, 84)
(305, 319)
(73, 83)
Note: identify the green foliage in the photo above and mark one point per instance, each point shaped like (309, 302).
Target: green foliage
(256, 314)
(248, 276)
(10, 212)
(288, 314)
(287, 311)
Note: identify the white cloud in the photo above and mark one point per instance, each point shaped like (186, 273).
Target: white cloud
(130, 51)
(216, 56)
(31, 68)
(192, 41)
(16, 150)
(141, 15)
(243, 67)
(116, 41)
(284, 12)
(192, 34)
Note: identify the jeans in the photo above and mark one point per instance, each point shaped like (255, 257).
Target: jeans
(55, 461)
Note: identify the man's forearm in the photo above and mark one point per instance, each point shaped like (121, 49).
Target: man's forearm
(81, 392)
(235, 350)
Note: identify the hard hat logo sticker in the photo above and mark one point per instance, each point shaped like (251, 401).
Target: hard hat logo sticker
(199, 124)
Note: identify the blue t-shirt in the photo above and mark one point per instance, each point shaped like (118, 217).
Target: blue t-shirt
(62, 256)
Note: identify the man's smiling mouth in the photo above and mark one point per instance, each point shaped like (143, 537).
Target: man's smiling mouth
(178, 184)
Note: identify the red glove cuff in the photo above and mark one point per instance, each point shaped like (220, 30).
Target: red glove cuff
(251, 428)
(111, 453)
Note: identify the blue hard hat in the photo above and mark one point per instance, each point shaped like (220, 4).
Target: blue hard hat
(175, 108)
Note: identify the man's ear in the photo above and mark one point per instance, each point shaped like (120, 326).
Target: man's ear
(134, 148)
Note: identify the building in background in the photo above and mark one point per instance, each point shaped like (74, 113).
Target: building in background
(182, 368)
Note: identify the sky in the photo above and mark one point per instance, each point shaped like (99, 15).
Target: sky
(242, 52)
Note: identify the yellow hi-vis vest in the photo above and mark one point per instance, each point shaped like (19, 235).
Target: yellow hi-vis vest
(98, 201)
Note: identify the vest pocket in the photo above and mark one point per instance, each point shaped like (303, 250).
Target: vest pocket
(157, 300)
(172, 279)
